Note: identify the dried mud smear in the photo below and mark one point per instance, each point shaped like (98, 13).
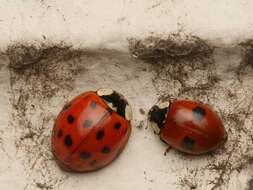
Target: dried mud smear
(194, 69)
(175, 59)
(154, 49)
(250, 184)
(248, 45)
(39, 77)
(22, 56)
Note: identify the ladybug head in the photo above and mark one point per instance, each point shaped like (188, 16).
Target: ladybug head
(157, 116)
(116, 102)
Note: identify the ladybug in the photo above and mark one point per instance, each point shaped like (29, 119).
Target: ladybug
(91, 130)
(188, 126)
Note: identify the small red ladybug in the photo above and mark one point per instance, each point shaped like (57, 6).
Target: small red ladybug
(188, 126)
(91, 130)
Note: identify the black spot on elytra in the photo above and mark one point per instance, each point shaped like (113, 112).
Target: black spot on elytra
(117, 101)
(117, 126)
(188, 143)
(105, 150)
(100, 135)
(93, 162)
(87, 123)
(59, 134)
(68, 140)
(93, 104)
(158, 115)
(199, 113)
(85, 155)
(70, 119)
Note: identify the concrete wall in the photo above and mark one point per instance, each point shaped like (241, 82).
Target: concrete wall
(54, 50)
(94, 23)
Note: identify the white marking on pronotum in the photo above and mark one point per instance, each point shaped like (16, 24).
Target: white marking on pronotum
(155, 127)
(112, 107)
(104, 91)
(128, 113)
(163, 105)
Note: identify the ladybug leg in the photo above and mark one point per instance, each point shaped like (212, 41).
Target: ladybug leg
(167, 150)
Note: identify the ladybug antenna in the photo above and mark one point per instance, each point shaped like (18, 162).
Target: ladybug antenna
(157, 116)
(116, 102)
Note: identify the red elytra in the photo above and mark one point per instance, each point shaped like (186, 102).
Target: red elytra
(91, 131)
(188, 126)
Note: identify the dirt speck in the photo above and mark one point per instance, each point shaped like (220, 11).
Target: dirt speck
(140, 125)
(142, 111)
(147, 178)
(43, 186)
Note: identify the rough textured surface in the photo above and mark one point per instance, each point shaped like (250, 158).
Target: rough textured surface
(221, 77)
(92, 24)
(41, 68)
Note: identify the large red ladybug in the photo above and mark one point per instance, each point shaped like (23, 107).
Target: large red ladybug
(188, 126)
(91, 130)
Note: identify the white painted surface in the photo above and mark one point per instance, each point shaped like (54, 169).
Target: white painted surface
(96, 24)
(83, 23)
